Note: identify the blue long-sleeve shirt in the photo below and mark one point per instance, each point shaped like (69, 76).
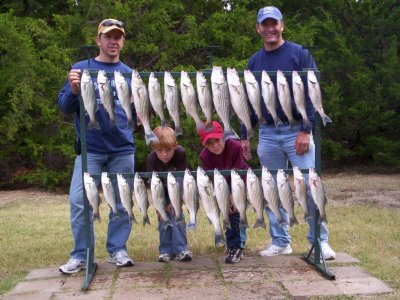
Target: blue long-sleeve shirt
(288, 57)
(110, 140)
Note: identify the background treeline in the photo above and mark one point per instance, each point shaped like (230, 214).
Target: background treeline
(355, 44)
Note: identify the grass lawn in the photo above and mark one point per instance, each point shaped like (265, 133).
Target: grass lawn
(363, 215)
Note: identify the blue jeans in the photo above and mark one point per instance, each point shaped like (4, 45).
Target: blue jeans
(275, 149)
(118, 228)
(173, 238)
(235, 237)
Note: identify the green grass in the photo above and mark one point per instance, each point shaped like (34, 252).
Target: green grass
(35, 233)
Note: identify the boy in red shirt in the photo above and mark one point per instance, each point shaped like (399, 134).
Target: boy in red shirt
(224, 155)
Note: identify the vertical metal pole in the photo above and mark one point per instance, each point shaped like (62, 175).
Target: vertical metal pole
(90, 266)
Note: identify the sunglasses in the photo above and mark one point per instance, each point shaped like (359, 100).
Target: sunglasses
(108, 23)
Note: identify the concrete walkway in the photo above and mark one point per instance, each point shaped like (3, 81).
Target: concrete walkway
(255, 277)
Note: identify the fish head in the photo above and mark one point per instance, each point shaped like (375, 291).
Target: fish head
(296, 78)
(201, 79)
(281, 176)
(168, 79)
(217, 75)
(280, 78)
(265, 77)
(102, 77)
(311, 77)
(119, 78)
(185, 79)
(249, 77)
(171, 178)
(136, 79)
(85, 78)
(297, 173)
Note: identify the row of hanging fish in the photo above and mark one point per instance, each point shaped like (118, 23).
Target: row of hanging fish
(227, 96)
(214, 196)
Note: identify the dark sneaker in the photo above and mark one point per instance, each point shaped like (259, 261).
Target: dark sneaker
(234, 255)
(165, 257)
(185, 255)
(121, 259)
(73, 266)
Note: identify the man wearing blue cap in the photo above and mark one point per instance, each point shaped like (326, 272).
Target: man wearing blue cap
(279, 144)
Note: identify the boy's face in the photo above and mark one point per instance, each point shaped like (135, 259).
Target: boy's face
(165, 154)
(215, 146)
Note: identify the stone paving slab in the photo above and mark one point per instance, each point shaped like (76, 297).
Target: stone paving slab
(255, 277)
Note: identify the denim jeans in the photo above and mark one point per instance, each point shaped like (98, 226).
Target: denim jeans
(173, 238)
(275, 149)
(118, 228)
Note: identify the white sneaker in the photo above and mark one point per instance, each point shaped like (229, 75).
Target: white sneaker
(327, 251)
(74, 265)
(121, 259)
(273, 250)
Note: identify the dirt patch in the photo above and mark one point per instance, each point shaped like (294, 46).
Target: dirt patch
(379, 190)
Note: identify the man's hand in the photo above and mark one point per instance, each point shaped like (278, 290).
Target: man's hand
(302, 143)
(246, 149)
(74, 78)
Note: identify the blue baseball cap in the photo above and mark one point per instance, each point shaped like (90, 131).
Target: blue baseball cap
(269, 12)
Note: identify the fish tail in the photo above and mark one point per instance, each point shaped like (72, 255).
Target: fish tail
(326, 119)
(164, 123)
(178, 131)
(191, 226)
(146, 220)
(306, 122)
(278, 122)
(96, 217)
(307, 217)
(322, 218)
(243, 223)
(292, 122)
(208, 126)
(180, 219)
(229, 134)
(260, 223)
(93, 125)
(132, 124)
(150, 137)
(293, 221)
(227, 224)
(115, 215)
(167, 223)
(250, 133)
(113, 123)
(200, 126)
(219, 239)
(132, 219)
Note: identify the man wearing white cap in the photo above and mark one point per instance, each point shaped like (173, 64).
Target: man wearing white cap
(279, 144)
(110, 147)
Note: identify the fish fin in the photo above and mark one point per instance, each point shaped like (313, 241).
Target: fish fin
(164, 123)
(326, 119)
(191, 226)
(250, 134)
(96, 218)
(278, 122)
(209, 220)
(150, 137)
(146, 220)
(260, 223)
(219, 239)
(132, 219)
(180, 220)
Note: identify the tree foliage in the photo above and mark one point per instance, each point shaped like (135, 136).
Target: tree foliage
(355, 44)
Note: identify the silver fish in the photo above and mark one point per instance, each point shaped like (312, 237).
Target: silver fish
(109, 194)
(285, 194)
(125, 194)
(270, 191)
(158, 196)
(175, 197)
(106, 95)
(142, 106)
(141, 197)
(89, 99)
(300, 191)
(223, 196)
(314, 91)
(299, 97)
(189, 99)
(204, 95)
(239, 197)
(221, 101)
(255, 197)
(172, 100)
(124, 96)
(268, 94)
(191, 198)
(156, 99)
(92, 194)
(207, 197)
(318, 193)
(239, 100)
(253, 93)
(284, 96)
